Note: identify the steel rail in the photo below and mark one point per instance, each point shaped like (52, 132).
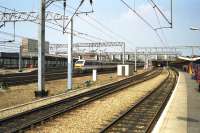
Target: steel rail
(143, 115)
(32, 77)
(29, 118)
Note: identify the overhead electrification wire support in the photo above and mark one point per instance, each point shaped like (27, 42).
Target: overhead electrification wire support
(64, 10)
(164, 16)
(171, 14)
(164, 43)
(170, 22)
(146, 22)
(102, 25)
(64, 28)
(12, 16)
(70, 40)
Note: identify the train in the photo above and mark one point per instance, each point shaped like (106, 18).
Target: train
(88, 64)
(11, 61)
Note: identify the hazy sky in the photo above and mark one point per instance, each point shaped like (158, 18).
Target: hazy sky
(122, 24)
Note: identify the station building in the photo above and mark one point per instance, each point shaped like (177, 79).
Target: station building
(30, 46)
(11, 60)
(29, 52)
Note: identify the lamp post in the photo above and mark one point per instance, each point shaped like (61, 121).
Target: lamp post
(196, 29)
(20, 59)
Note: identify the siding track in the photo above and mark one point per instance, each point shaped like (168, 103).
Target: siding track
(25, 120)
(142, 116)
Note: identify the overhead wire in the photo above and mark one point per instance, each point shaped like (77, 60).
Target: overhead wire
(53, 28)
(109, 30)
(144, 20)
(90, 24)
(164, 16)
(113, 34)
(159, 23)
(84, 19)
(97, 28)
(76, 10)
(86, 22)
(20, 36)
(166, 42)
(10, 47)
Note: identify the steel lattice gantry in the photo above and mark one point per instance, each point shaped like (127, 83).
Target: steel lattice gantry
(92, 45)
(96, 44)
(10, 15)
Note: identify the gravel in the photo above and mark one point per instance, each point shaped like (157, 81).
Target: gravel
(21, 98)
(11, 71)
(25, 93)
(92, 117)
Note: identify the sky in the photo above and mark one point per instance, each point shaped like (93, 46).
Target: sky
(119, 22)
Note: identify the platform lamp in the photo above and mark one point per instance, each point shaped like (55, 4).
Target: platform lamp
(196, 29)
(20, 59)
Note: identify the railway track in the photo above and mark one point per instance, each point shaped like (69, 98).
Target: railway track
(142, 116)
(13, 79)
(30, 118)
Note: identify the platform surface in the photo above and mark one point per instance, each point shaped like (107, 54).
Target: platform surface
(182, 114)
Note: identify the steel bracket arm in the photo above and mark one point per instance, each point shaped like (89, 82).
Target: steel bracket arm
(49, 2)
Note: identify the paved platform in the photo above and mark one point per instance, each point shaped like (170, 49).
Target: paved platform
(182, 113)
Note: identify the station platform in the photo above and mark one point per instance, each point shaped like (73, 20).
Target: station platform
(182, 113)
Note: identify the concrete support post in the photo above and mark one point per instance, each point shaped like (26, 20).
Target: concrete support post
(192, 51)
(156, 54)
(123, 54)
(135, 60)
(20, 59)
(165, 56)
(112, 57)
(128, 57)
(70, 60)
(121, 57)
(94, 75)
(96, 57)
(40, 92)
(167, 60)
(100, 55)
(146, 62)
(175, 52)
(146, 58)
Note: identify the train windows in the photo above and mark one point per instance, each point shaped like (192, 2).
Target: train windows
(79, 62)
(1, 62)
(7, 61)
(87, 63)
(27, 62)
